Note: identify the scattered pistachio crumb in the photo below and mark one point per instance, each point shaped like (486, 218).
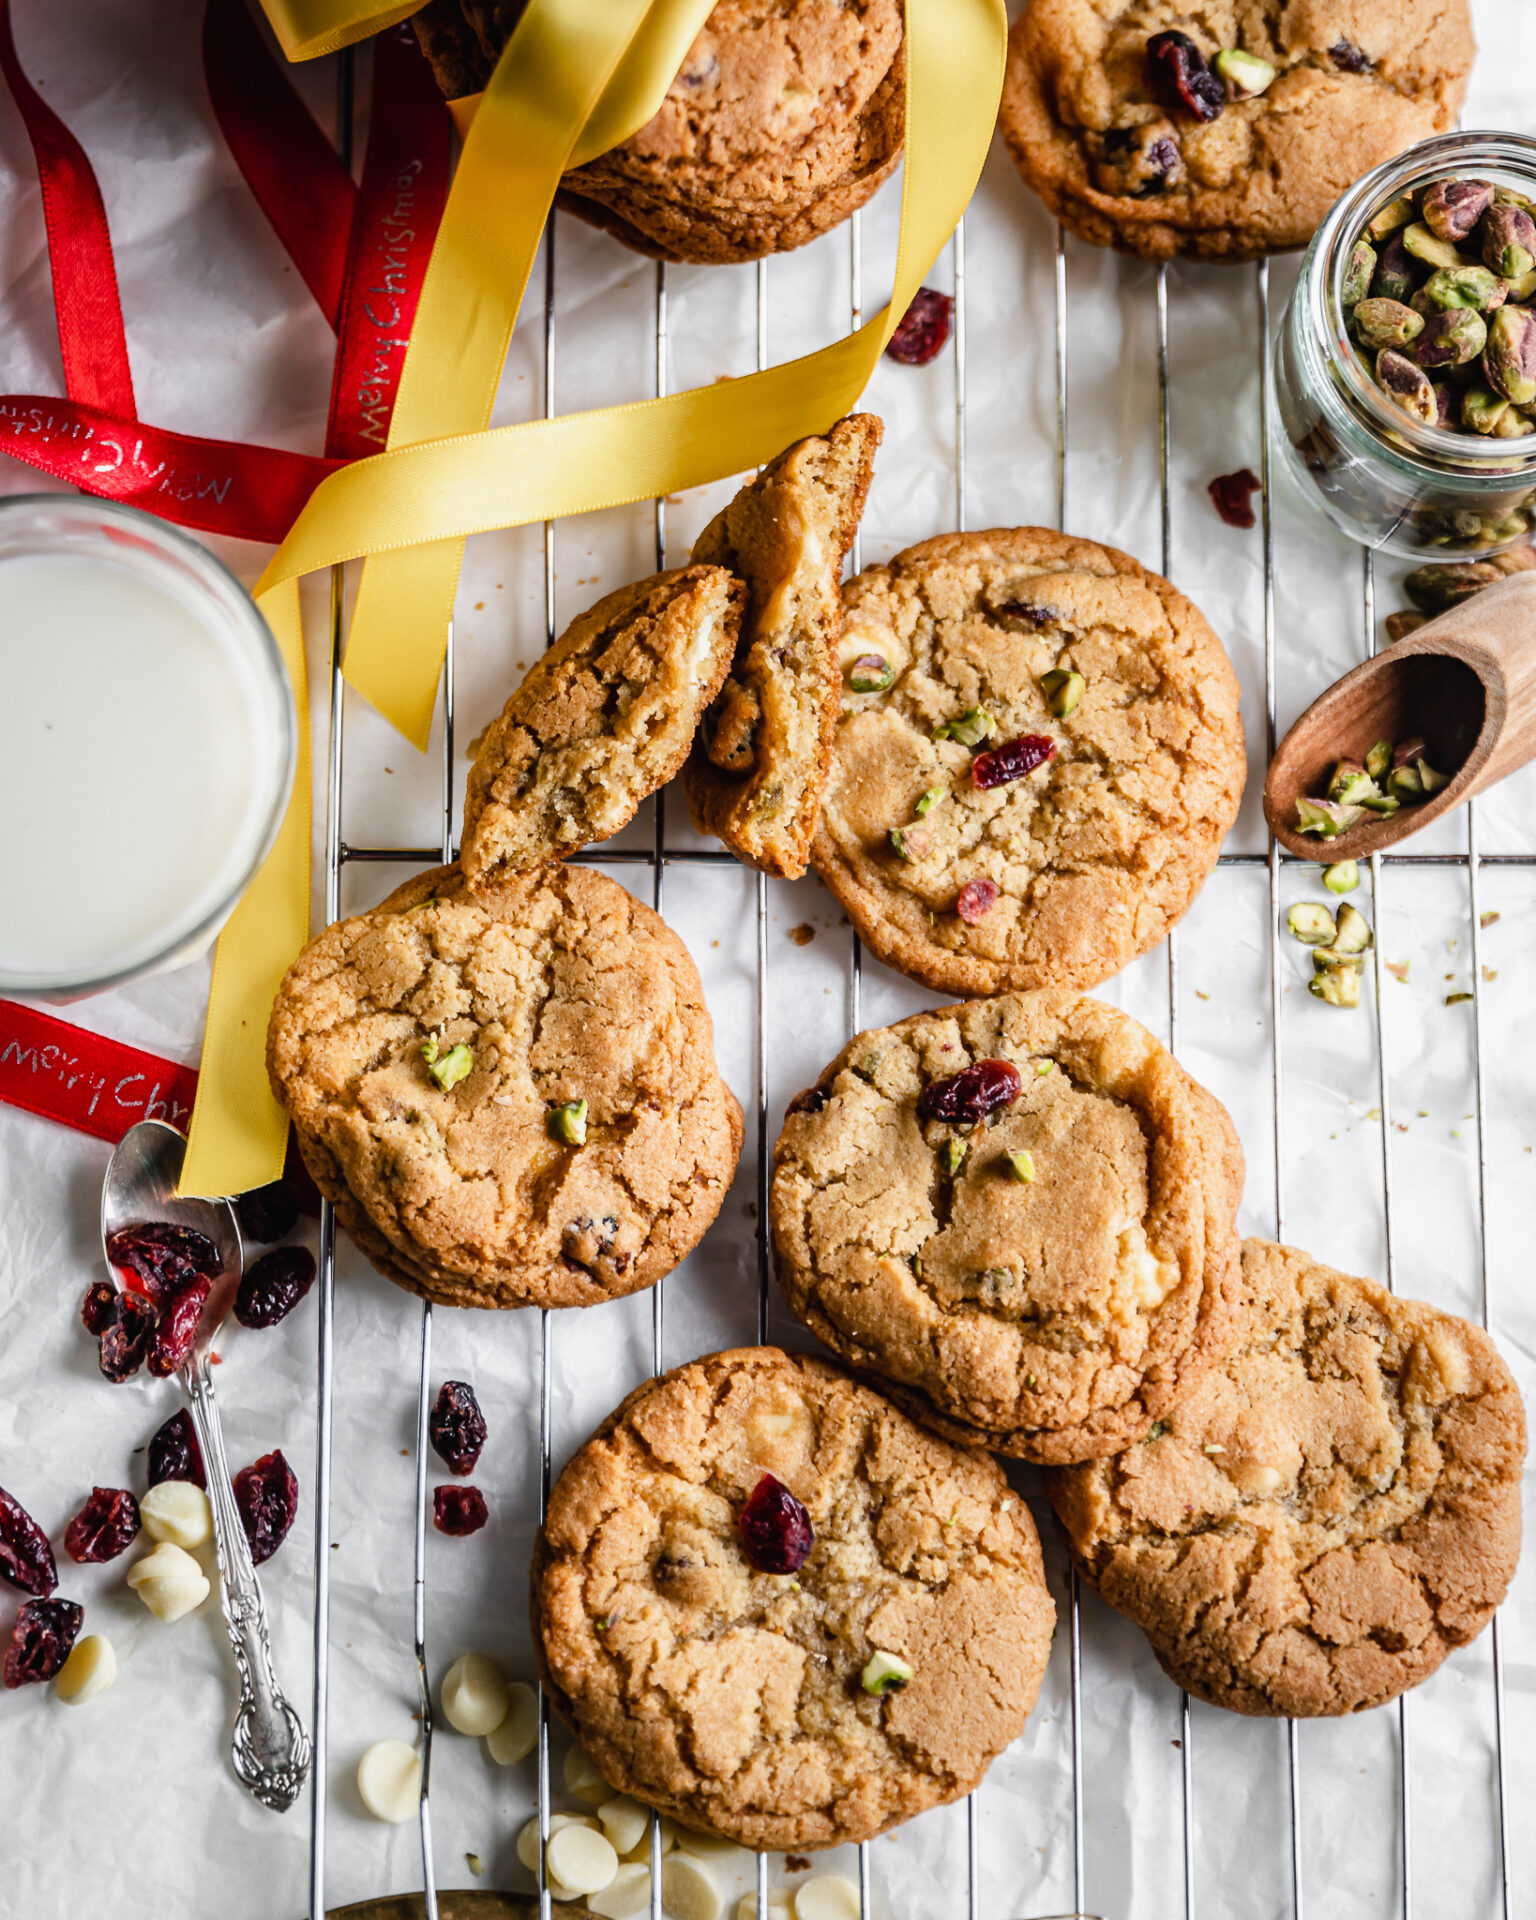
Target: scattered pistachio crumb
(475, 1864)
(1490, 973)
(1159, 1428)
(449, 1068)
(1201, 996)
(1455, 999)
(567, 1123)
(1029, 1381)
(1486, 919)
(1373, 1113)
(1213, 1448)
(1043, 1066)
(1423, 1113)
(1021, 1166)
(1398, 969)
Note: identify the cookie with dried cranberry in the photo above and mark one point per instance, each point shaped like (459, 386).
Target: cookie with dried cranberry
(1016, 1216)
(1038, 754)
(782, 121)
(1224, 132)
(606, 717)
(1326, 1515)
(510, 1095)
(755, 775)
(774, 1608)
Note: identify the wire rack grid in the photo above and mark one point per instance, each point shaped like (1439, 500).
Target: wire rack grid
(655, 862)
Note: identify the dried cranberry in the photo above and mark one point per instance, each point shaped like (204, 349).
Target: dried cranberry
(45, 1631)
(1161, 161)
(776, 1531)
(458, 1511)
(811, 1101)
(1012, 759)
(274, 1285)
(267, 1495)
(161, 1258)
(1231, 495)
(174, 1453)
(1179, 76)
(457, 1427)
(126, 1341)
(26, 1559)
(99, 1307)
(267, 1213)
(924, 329)
(977, 899)
(1347, 57)
(1029, 613)
(971, 1094)
(170, 1345)
(104, 1527)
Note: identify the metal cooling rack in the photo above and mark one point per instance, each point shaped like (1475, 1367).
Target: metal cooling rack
(339, 853)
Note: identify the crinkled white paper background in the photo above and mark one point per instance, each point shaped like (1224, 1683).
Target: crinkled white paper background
(127, 1806)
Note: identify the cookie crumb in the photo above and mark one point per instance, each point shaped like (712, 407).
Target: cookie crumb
(803, 935)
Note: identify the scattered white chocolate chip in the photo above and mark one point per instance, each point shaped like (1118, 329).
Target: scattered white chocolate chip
(709, 1846)
(828, 1897)
(583, 1779)
(688, 1890)
(474, 1695)
(169, 1581)
(625, 1822)
(90, 1669)
(389, 1780)
(528, 1839)
(641, 1850)
(179, 1512)
(625, 1896)
(581, 1860)
(777, 1908)
(513, 1739)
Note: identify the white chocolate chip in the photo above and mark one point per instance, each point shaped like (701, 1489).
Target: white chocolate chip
(169, 1581)
(584, 1780)
(625, 1896)
(513, 1739)
(709, 1846)
(828, 1897)
(777, 1908)
(389, 1780)
(625, 1822)
(179, 1512)
(641, 1850)
(581, 1860)
(688, 1890)
(528, 1839)
(474, 1695)
(90, 1669)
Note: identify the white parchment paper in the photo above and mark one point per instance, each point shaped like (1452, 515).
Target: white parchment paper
(127, 1806)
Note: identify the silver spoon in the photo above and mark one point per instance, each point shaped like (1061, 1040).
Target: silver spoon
(270, 1749)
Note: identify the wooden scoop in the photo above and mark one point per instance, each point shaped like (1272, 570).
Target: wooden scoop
(1465, 683)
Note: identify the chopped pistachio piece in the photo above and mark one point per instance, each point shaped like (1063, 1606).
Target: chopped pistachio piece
(568, 1123)
(1431, 780)
(1245, 73)
(952, 1155)
(1455, 999)
(973, 726)
(926, 802)
(1021, 1166)
(1381, 803)
(1350, 784)
(1062, 689)
(1310, 922)
(1325, 959)
(1326, 817)
(1339, 986)
(911, 843)
(1379, 760)
(1342, 877)
(1405, 783)
(1354, 934)
(884, 1673)
(449, 1068)
(871, 673)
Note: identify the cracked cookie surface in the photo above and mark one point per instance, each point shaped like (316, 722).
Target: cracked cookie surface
(1096, 133)
(605, 717)
(1093, 855)
(783, 119)
(755, 776)
(563, 987)
(1326, 1516)
(731, 1698)
(1051, 1309)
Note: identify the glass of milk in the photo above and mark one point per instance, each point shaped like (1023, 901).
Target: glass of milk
(147, 738)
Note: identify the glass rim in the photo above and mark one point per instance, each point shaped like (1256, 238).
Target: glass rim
(1451, 459)
(274, 773)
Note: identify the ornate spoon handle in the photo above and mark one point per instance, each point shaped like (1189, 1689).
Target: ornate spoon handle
(270, 1748)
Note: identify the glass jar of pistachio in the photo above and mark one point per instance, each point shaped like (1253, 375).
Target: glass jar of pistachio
(1405, 364)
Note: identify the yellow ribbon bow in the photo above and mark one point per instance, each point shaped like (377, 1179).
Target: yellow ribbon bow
(576, 77)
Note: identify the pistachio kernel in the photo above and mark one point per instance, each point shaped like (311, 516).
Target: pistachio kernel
(1405, 783)
(1342, 877)
(871, 673)
(1452, 208)
(567, 1123)
(1464, 286)
(1354, 934)
(1350, 783)
(1426, 245)
(1432, 782)
(952, 1155)
(911, 843)
(1386, 323)
(1381, 803)
(1062, 689)
(1339, 987)
(1379, 759)
(1400, 625)
(1389, 219)
(1021, 1166)
(884, 1673)
(973, 726)
(926, 802)
(1326, 817)
(1310, 922)
(1407, 386)
(449, 1068)
(1246, 74)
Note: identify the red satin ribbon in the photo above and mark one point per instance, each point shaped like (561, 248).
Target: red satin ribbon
(361, 250)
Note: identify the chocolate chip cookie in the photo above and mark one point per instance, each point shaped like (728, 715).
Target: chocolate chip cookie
(606, 717)
(1228, 131)
(756, 772)
(509, 1095)
(1324, 1517)
(1017, 1216)
(784, 119)
(1038, 755)
(777, 1610)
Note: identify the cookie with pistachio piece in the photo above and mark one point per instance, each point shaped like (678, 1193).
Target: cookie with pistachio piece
(756, 772)
(1038, 754)
(1327, 1514)
(777, 1610)
(509, 1095)
(1016, 1216)
(605, 717)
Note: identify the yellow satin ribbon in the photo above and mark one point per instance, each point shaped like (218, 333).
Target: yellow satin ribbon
(432, 493)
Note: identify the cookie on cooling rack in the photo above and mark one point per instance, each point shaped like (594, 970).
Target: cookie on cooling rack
(606, 717)
(1222, 133)
(755, 775)
(777, 1610)
(785, 117)
(1324, 1516)
(509, 1095)
(1038, 755)
(1017, 1216)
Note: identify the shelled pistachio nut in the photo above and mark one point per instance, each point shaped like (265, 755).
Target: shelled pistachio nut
(1509, 241)
(1246, 74)
(1451, 339)
(1387, 323)
(1407, 386)
(1509, 359)
(1452, 208)
(1465, 286)
(1339, 986)
(1310, 922)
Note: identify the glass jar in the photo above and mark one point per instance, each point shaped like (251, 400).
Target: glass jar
(1380, 476)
